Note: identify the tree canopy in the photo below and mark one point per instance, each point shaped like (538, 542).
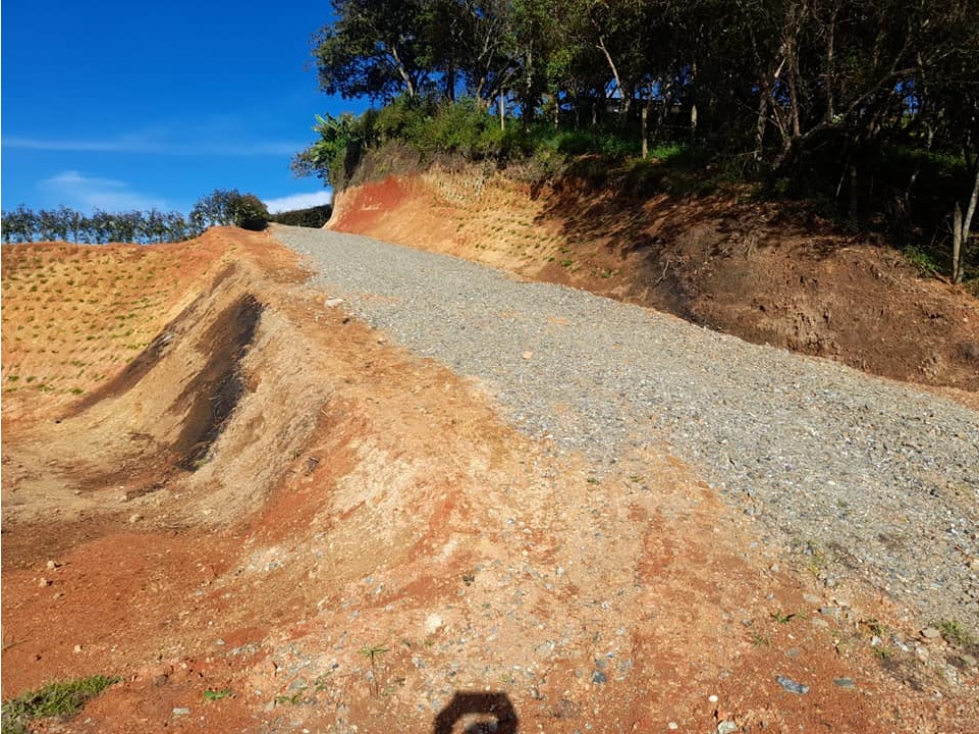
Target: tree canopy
(770, 78)
(871, 105)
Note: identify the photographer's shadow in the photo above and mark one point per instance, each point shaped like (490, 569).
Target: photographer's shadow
(491, 713)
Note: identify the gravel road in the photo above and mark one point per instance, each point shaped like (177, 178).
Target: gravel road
(876, 479)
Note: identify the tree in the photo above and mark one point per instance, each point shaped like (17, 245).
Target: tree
(376, 49)
(229, 207)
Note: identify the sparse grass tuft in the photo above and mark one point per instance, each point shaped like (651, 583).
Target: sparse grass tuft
(55, 699)
(956, 634)
(216, 695)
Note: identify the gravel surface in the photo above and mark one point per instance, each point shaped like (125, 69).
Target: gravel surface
(873, 479)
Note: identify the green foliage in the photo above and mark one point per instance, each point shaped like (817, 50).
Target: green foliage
(334, 156)
(216, 695)
(250, 212)
(54, 699)
(24, 225)
(957, 634)
(921, 259)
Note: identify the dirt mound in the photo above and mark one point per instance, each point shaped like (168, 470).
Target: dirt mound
(767, 274)
(271, 520)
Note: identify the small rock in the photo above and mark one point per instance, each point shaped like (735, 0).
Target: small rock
(969, 660)
(432, 624)
(43, 582)
(133, 519)
(791, 686)
(77, 648)
(598, 678)
(727, 727)
(845, 682)
(930, 633)
(528, 355)
(333, 302)
(53, 565)
(673, 726)
(181, 711)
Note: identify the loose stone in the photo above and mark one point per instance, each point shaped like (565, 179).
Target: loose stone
(791, 686)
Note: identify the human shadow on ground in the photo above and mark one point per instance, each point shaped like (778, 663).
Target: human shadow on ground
(492, 710)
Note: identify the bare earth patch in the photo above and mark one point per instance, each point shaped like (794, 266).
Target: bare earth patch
(268, 519)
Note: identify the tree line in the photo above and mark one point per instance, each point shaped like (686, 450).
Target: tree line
(219, 208)
(870, 106)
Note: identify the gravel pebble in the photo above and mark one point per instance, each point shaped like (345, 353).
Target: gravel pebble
(792, 686)
(878, 478)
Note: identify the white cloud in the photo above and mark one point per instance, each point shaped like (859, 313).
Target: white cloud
(147, 144)
(298, 201)
(86, 193)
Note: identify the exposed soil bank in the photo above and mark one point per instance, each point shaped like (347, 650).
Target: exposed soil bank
(768, 275)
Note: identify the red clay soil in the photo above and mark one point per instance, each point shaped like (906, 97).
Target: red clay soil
(357, 541)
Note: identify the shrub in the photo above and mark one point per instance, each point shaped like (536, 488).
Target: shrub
(250, 212)
(224, 207)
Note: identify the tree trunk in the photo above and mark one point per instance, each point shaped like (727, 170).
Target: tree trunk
(645, 136)
(761, 124)
(528, 104)
(693, 103)
(626, 101)
(853, 193)
(957, 244)
(961, 228)
(829, 75)
(403, 73)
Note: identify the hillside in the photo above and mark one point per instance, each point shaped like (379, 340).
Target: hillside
(262, 514)
(767, 273)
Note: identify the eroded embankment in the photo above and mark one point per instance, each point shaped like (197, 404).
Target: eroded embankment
(768, 273)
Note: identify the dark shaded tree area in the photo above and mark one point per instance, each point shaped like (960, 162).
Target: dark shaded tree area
(313, 217)
(869, 107)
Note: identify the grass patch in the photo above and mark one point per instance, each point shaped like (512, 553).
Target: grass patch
(55, 699)
(956, 634)
(923, 261)
(216, 695)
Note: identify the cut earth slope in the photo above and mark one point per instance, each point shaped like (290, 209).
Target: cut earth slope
(271, 519)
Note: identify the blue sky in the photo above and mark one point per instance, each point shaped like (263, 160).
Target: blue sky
(120, 106)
